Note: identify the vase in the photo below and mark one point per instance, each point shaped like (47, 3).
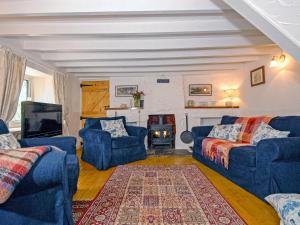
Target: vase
(137, 102)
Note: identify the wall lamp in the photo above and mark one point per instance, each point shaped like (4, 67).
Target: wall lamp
(278, 61)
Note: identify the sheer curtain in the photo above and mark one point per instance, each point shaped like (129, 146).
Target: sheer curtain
(12, 72)
(60, 91)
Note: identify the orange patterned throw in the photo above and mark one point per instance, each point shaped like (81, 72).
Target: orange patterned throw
(218, 150)
(250, 125)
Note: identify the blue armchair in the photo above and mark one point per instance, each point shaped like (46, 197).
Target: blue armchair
(103, 151)
(44, 196)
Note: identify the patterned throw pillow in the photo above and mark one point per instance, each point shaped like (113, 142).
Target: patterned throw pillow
(287, 207)
(114, 127)
(228, 132)
(265, 131)
(8, 141)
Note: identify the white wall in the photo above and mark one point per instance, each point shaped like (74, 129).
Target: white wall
(278, 96)
(170, 98)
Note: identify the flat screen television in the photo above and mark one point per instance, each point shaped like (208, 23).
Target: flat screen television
(40, 119)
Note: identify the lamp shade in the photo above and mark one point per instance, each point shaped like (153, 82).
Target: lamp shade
(230, 93)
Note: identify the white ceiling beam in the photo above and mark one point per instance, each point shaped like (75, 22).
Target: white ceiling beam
(92, 7)
(187, 27)
(153, 69)
(144, 44)
(141, 74)
(260, 18)
(160, 62)
(133, 55)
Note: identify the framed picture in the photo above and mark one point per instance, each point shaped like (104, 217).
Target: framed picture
(125, 90)
(200, 90)
(257, 76)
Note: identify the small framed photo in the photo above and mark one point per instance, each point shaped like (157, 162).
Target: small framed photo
(200, 90)
(257, 76)
(125, 90)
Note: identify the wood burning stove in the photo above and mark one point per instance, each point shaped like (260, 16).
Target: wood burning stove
(161, 131)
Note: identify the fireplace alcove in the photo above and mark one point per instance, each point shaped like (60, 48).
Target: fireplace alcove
(161, 131)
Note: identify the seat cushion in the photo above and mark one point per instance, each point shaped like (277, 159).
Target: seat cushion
(125, 142)
(245, 155)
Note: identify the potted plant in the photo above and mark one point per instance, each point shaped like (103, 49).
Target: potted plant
(137, 98)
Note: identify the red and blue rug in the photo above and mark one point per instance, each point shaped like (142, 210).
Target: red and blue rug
(157, 195)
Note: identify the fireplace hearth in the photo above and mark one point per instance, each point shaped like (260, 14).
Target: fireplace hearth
(161, 131)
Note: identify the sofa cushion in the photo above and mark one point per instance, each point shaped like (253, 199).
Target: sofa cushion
(265, 131)
(125, 141)
(94, 123)
(114, 127)
(245, 155)
(228, 132)
(8, 141)
(287, 207)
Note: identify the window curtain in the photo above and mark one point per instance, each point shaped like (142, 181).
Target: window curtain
(12, 72)
(60, 92)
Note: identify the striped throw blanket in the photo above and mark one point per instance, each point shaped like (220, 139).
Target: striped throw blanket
(14, 166)
(250, 125)
(218, 150)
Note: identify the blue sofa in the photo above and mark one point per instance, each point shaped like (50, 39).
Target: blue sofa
(272, 166)
(44, 196)
(103, 151)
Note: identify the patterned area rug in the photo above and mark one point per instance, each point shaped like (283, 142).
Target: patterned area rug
(159, 195)
(78, 208)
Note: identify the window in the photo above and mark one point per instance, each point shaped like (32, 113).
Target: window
(24, 96)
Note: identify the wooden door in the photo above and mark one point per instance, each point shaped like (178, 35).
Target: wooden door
(95, 97)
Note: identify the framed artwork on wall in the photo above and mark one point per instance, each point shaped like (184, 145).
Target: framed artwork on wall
(125, 90)
(257, 76)
(200, 90)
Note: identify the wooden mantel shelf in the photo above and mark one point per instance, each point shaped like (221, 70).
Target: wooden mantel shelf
(212, 107)
(120, 108)
(116, 108)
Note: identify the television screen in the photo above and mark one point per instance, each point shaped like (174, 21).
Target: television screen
(40, 119)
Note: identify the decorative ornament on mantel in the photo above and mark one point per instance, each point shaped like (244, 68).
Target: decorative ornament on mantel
(138, 100)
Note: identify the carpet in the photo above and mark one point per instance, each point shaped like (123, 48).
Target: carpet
(159, 195)
(78, 208)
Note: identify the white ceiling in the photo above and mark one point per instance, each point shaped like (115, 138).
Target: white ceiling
(122, 37)
(278, 19)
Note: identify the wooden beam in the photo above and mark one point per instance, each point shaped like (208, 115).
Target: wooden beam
(153, 69)
(185, 27)
(194, 61)
(135, 55)
(144, 44)
(92, 7)
(141, 74)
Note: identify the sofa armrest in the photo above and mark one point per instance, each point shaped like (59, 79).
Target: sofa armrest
(201, 131)
(272, 153)
(284, 149)
(67, 144)
(140, 132)
(47, 172)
